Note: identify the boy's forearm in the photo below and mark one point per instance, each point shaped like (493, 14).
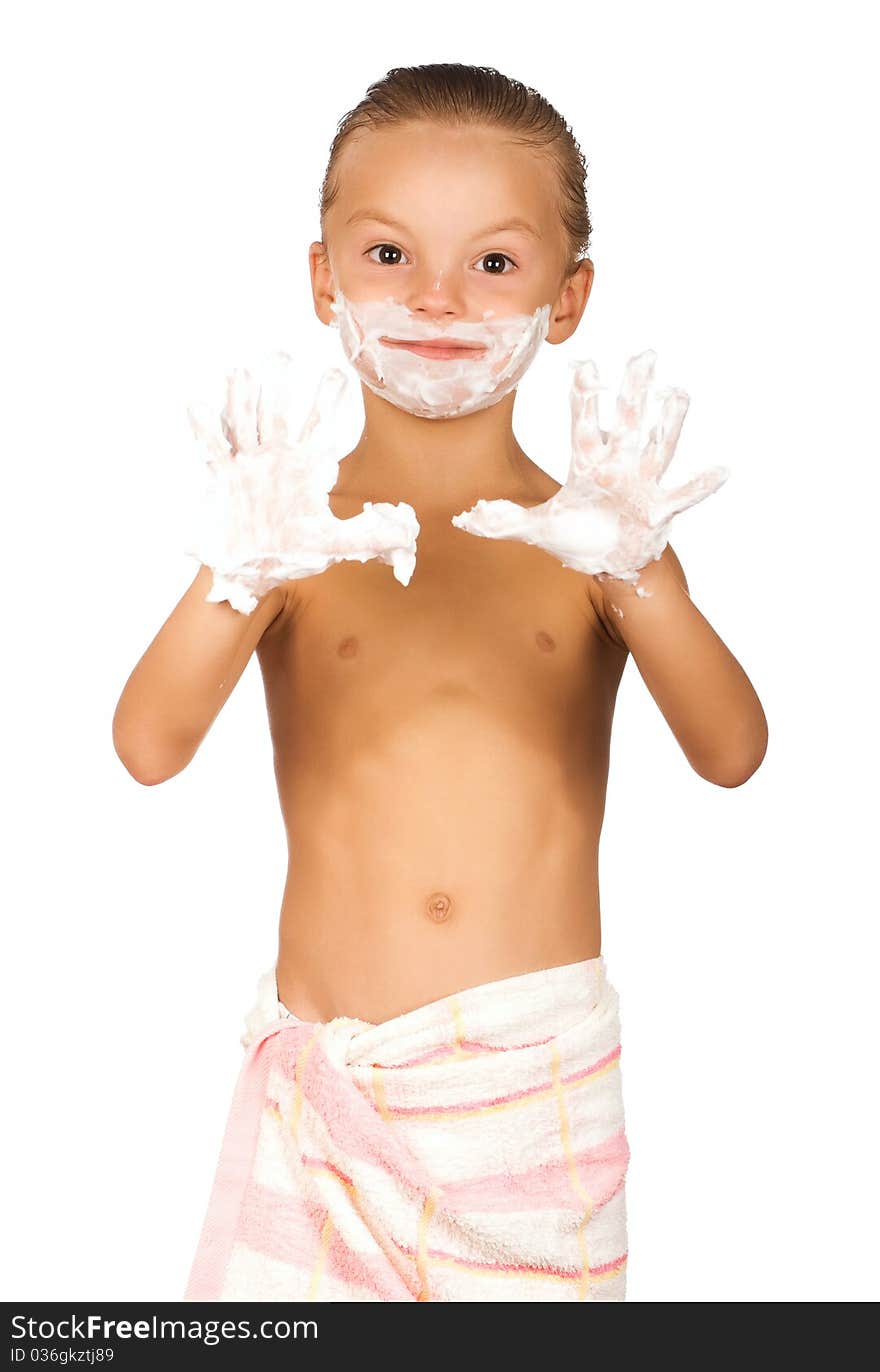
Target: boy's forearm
(701, 689)
(184, 678)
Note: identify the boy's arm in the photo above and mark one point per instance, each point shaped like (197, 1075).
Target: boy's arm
(184, 679)
(705, 696)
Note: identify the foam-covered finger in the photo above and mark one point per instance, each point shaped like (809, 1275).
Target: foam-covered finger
(632, 397)
(586, 436)
(275, 400)
(318, 430)
(403, 563)
(493, 519)
(649, 466)
(239, 417)
(691, 493)
(672, 415)
(208, 430)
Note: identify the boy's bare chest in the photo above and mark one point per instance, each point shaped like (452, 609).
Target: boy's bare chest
(501, 629)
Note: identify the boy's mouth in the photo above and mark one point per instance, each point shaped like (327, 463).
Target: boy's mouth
(435, 347)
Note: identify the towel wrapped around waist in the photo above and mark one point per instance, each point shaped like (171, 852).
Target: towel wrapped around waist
(472, 1149)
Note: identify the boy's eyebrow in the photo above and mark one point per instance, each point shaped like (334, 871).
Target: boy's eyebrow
(380, 218)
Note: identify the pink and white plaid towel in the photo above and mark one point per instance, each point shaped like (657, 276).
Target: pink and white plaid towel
(472, 1149)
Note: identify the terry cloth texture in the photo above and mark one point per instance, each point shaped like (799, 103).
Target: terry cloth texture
(472, 1149)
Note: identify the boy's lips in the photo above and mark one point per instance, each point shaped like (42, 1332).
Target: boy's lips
(435, 347)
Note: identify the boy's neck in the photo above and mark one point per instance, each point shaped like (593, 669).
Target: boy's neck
(436, 465)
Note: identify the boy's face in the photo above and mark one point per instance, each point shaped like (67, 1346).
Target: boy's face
(426, 214)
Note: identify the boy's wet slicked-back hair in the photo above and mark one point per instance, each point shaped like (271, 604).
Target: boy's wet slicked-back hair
(452, 94)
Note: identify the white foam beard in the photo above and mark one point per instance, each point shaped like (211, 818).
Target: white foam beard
(437, 388)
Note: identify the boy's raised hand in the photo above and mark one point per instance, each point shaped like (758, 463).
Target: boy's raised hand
(265, 516)
(611, 516)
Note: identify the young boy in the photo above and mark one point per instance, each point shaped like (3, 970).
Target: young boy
(430, 1106)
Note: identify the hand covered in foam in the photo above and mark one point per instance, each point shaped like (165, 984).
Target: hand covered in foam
(610, 517)
(265, 517)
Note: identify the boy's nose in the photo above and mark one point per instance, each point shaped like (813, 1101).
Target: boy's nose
(436, 294)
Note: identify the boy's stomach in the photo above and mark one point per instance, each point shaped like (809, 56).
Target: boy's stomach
(434, 859)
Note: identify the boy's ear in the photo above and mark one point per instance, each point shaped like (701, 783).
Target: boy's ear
(586, 267)
(573, 297)
(323, 286)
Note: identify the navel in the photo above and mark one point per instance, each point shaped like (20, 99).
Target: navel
(439, 906)
(544, 641)
(348, 647)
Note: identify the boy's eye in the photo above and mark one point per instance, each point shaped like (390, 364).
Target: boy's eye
(383, 248)
(496, 259)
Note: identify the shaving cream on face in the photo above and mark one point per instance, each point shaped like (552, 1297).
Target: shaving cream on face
(437, 387)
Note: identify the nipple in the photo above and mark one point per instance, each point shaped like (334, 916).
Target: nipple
(439, 906)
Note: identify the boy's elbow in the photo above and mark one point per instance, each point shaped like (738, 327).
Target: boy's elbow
(736, 777)
(141, 772)
(145, 778)
(738, 770)
(146, 766)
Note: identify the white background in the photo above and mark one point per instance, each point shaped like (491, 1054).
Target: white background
(162, 169)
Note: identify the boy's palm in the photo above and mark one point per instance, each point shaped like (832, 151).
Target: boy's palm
(266, 515)
(610, 517)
